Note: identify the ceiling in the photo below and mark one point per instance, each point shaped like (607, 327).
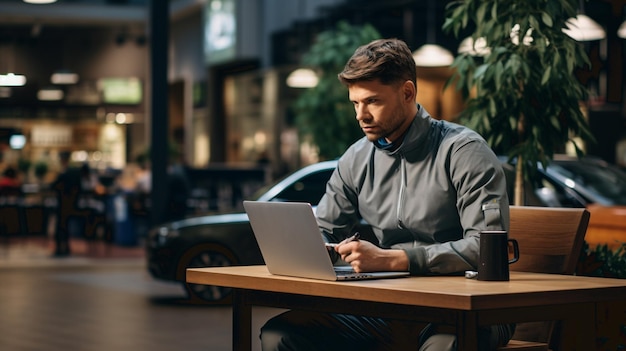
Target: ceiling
(77, 19)
(38, 39)
(86, 12)
(73, 12)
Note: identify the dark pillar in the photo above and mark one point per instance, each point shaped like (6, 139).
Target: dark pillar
(159, 37)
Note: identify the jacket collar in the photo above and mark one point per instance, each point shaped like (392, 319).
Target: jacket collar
(414, 135)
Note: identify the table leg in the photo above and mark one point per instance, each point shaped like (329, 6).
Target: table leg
(242, 321)
(579, 329)
(467, 331)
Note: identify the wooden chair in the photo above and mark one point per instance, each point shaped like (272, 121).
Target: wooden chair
(550, 241)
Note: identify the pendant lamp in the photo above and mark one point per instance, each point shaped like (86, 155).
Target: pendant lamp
(583, 28)
(302, 78)
(621, 32)
(431, 54)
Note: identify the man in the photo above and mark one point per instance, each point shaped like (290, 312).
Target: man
(67, 187)
(426, 187)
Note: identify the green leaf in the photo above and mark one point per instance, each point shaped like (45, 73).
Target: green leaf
(547, 20)
(499, 68)
(555, 122)
(533, 23)
(493, 110)
(546, 75)
(480, 14)
(480, 71)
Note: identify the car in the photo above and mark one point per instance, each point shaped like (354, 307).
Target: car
(224, 239)
(227, 239)
(588, 182)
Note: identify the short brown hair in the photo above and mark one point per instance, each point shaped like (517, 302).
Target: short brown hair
(388, 60)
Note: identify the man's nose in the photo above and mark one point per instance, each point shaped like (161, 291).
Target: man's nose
(361, 112)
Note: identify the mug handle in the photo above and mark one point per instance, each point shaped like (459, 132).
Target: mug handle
(515, 251)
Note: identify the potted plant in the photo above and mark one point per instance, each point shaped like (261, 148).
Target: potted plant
(603, 261)
(324, 112)
(40, 169)
(23, 166)
(522, 94)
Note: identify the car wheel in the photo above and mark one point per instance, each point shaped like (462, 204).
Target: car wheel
(207, 255)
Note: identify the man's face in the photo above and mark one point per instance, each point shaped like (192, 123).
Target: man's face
(383, 111)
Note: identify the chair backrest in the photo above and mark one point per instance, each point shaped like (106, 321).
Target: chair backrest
(550, 239)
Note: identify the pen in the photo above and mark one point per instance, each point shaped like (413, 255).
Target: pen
(354, 237)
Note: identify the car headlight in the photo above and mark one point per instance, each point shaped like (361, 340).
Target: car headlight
(159, 236)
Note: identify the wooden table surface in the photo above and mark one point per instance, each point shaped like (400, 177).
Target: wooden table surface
(524, 289)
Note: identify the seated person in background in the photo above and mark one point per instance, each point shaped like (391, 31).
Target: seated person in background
(9, 179)
(427, 187)
(9, 183)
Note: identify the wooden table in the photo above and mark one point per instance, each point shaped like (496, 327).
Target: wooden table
(462, 303)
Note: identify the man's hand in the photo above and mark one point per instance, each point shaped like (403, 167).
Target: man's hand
(364, 256)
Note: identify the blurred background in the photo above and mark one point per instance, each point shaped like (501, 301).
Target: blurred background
(78, 78)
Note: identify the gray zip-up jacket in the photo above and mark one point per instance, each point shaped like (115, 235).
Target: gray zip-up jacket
(430, 196)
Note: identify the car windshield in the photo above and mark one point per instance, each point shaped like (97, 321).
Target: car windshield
(597, 180)
(309, 188)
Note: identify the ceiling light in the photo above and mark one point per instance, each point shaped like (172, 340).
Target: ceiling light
(39, 2)
(621, 32)
(474, 48)
(50, 94)
(302, 78)
(12, 80)
(64, 77)
(583, 28)
(124, 118)
(431, 55)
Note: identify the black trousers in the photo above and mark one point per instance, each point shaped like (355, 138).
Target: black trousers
(304, 330)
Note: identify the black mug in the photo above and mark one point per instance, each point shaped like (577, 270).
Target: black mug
(494, 260)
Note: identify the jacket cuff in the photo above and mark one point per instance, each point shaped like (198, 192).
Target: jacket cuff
(417, 260)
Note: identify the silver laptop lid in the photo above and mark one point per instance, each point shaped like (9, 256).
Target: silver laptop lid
(289, 239)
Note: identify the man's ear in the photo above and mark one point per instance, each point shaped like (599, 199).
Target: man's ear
(409, 89)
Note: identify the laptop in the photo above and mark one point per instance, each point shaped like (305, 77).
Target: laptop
(291, 243)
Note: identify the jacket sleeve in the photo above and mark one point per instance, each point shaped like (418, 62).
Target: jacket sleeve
(336, 212)
(482, 203)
